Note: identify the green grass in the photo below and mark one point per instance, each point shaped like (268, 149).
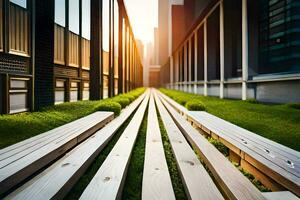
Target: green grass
(86, 178)
(279, 123)
(133, 183)
(171, 161)
(18, 127)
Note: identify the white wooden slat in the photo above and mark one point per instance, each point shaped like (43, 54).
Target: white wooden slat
(272, 169)
(24, 150)
(286, 195)
(15, 148)
(17, 171)
(247, 136)
(156, 178)
(58, 179)
(257, 138)
(197, 182)
(108, 181)
(261, 162)
(218, 126)
(233, 183)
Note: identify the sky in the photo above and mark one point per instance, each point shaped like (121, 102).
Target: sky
(143, 16)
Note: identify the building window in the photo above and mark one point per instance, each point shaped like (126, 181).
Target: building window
(86, 19)
(74, 92)
(279, 41)
(86, 91)
(74, 16)
(60, 88)
(22, 3)
(18, 95)
(60, 12)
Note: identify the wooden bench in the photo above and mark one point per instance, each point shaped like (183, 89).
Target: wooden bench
(276, 166)
(156, 178)
(197, 182)
(57, 180)
(232, 183)
(109, 179)
(19, 161)
(216, 178)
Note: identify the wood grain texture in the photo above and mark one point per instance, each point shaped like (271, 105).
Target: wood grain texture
(35, 153)
(108, 181)
(283, 168)
(58, 179)
(279, 162)
(156, 178)
(233, 183)
(286, 195)
(198, 184)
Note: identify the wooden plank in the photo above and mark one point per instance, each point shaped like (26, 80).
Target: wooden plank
(198, 184)
(232, 182)
(56, 134)
(246, 136)
(108, 181)
(278, 170)
(286, 195)
(242, 132)
(156, 178)
(56, 181)
(216, 126)
(18, 170)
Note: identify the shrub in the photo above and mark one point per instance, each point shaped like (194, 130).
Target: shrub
(128, 96)
(252, 100)
(109, 105)
(123, 101)
(294, 105)
(195, 105)
(180, 99)
(137, 92)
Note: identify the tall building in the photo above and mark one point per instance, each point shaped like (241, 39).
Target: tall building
(156, 47)
(52, 51)
(163, 30)
(237, 49)
(140, 47)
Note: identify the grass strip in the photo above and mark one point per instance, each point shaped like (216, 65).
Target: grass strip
(171, 161)
(133, 183)
(86, 178)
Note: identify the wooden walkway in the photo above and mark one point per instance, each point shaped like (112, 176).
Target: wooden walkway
(204, 171)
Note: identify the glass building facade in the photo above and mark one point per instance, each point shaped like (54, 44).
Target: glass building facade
(279, 39)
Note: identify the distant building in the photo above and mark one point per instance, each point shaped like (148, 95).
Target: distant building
(140, 47)
(156, 47)
(154, 76)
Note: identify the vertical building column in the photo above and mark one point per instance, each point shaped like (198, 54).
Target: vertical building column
(196, 61)
(171, 72)
(185, 62)
(244, 49)
(221, 50)
(190, 64)
(96, 79)
(44, 53)
(120, 58)
(205, 57)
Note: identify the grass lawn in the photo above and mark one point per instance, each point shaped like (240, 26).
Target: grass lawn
(280, 123)
(18, 127)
